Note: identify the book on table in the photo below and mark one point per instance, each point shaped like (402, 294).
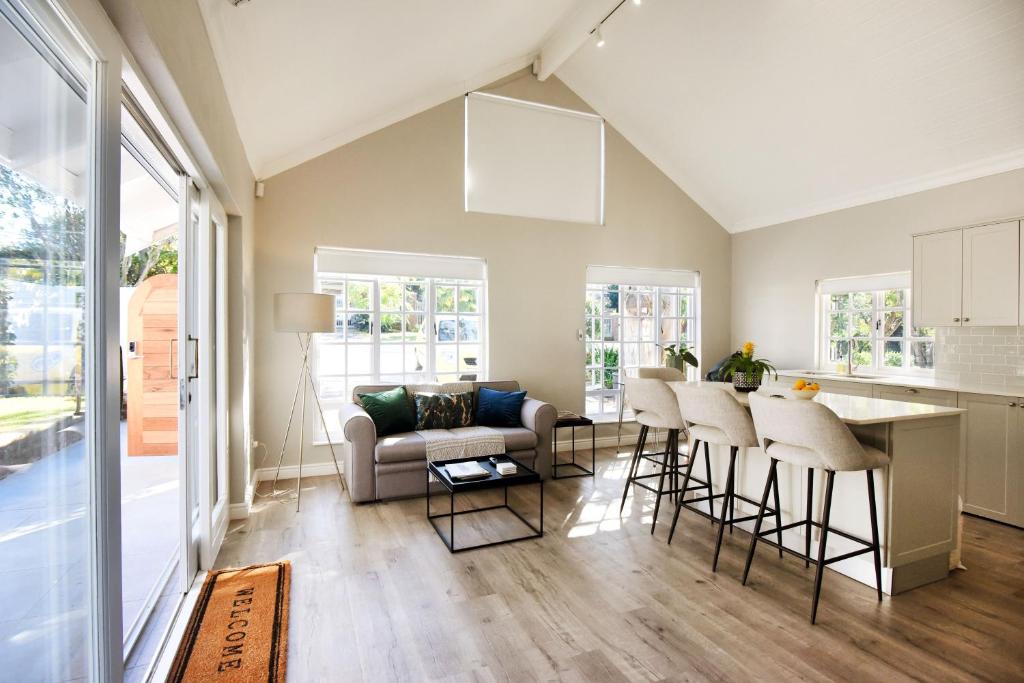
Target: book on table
(464, 471)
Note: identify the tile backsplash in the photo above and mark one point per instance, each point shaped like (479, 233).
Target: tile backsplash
(980, 355)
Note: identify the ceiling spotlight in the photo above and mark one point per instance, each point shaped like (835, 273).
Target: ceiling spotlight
(638, 2)
(600, 37)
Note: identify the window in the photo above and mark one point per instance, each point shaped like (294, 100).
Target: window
(875, 324)
(626, 327)
(399, 329)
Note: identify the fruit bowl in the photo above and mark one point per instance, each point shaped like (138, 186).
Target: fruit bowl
(803, 390)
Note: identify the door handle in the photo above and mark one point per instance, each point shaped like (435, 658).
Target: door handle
(170, 358)
(195, 358)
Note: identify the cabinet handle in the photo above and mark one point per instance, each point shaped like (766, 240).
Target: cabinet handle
(1013, 405)
(967, 320)
(911, 391)
(956, 320)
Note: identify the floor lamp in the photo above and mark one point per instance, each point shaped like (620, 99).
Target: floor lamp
(304, 314)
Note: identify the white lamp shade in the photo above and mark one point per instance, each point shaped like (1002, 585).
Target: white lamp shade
(303, 312)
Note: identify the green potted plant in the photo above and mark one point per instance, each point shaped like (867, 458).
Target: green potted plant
(679, 357)
(745, 371)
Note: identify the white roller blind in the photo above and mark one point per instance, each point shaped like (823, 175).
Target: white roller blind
(365, 262)
(866, 283)
(533, 160)
(618, 275)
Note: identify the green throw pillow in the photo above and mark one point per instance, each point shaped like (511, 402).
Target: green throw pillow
(444, 411)
(390, 411)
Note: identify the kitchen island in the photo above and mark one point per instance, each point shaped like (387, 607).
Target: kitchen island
(917, 502)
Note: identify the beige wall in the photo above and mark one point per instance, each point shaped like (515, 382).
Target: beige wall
(402, 189)
(775, 269)
(168, 41)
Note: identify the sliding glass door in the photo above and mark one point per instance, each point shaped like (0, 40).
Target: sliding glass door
(47, 294)
(112, 385)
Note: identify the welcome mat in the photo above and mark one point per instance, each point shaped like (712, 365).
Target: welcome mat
(238, 631)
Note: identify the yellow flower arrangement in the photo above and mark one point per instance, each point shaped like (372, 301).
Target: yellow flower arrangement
(749, 369)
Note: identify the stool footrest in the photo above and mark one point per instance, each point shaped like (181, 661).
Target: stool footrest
(762, 538)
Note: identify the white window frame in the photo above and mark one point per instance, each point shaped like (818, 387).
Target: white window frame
(872, 291)
(608, 398)
(335, 388)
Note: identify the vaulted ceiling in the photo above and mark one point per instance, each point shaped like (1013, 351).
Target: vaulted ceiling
(761, 111)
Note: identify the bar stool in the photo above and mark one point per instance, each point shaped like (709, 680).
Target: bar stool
(655, 406)
(714, 416)
(808, 434)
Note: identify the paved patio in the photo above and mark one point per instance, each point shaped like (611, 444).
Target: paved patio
(44, 550)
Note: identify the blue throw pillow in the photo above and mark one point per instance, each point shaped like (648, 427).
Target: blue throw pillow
(499, 408)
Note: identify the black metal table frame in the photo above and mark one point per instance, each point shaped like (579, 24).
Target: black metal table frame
(583, 471)
(452, 513)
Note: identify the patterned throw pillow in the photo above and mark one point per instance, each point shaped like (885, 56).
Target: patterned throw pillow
(444, 411)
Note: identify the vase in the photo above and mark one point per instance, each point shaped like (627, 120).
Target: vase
(676, 362)
(746, 381)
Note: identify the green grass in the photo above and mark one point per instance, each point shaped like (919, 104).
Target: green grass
(19, 412)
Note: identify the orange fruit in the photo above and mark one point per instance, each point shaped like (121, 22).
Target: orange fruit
(799, 384)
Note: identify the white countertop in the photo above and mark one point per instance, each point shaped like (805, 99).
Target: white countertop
(861, 410)
(910, 381)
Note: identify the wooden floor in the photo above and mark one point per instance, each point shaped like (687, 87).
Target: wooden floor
(377, 597)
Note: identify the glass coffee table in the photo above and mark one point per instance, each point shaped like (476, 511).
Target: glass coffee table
(524, 476)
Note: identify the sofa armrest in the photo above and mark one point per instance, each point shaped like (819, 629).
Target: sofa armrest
(539, 417)
(361, 436)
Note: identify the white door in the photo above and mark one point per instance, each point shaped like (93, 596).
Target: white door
(938, 278)
(991, 274)
(210, 388)
(992, 463)
(188, 403)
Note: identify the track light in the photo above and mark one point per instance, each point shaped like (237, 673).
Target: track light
(600, 37)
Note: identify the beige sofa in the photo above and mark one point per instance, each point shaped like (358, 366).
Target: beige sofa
(394, 466)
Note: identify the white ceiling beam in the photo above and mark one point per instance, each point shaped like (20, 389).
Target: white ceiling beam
(570, 33)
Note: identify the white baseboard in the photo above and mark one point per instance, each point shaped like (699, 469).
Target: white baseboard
(316, 469)
(583, 440)
(241, 510)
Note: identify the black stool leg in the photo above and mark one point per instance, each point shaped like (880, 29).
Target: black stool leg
(810, 511)
(711, 488)
(725, 505)
(634, 464)
(778, 512)
(682, 491)
(760, 518)
(669, 454)
(874, 533)
(820, 569)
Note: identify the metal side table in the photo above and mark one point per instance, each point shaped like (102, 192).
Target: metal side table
(573, 421)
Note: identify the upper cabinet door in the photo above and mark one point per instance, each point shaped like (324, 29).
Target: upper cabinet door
(991, 274)
(938, 263)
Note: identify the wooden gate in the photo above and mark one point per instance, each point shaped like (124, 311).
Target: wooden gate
(153, 367)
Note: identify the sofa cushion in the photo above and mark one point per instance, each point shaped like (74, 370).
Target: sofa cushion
(444, 411)
(517, 438)
(499, 408)
(401, 448)
(390, 411)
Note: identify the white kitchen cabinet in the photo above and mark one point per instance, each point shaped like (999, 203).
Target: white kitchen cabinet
(933, 397)
(968, 277)
(938, 279)
(992, 475)
(991, 275)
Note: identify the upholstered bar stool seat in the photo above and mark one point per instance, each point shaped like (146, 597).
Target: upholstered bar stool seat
(655, 406)
(808, 434)
(714, 416)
